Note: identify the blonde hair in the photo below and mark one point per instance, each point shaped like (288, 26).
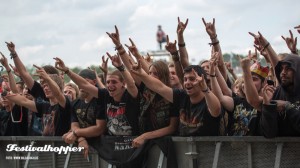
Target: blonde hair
(75, 87)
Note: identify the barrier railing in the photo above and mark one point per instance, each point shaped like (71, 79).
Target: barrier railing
(191, 152)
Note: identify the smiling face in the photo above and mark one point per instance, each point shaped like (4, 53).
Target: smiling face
(115, 86)
(70, 92)
(189, 80)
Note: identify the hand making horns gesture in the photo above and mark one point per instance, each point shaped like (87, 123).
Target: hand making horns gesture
(291, 42)
(181, 26)
(115, 60)
(210, 28)
(171, 47)
(133, 49)
(115, 37)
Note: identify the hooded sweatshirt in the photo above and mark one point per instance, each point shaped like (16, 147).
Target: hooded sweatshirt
(287, 122)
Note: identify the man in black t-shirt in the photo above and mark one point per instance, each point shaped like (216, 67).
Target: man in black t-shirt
(56, 112)
(199, 107)
(120, 102)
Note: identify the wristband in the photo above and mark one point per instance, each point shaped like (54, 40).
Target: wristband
(118, 47)
(213, 43)
(206, 90)
(213, 75)
(267, 45)
(13, 55)
(67, 71)
(121, 68)
(181, 45)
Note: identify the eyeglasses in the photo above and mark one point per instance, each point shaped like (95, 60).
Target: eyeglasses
(12, 118)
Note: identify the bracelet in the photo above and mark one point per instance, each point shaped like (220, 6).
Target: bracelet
(213, 75)
(206, 90)
(67, 71)
(213, 43)
(181, 45)
(214, 37)
(8, 71)
(267, 45)
(122, 52)
(74, 133)
(121, 68)
(13, 55)
(118, 47)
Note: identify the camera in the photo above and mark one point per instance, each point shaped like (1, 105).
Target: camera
(270, 82)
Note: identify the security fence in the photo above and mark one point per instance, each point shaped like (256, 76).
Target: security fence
(191, 152)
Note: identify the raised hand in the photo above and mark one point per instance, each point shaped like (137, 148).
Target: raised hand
(260, 43)
(133, 49)
(268, 91)
(181, 26)
(59, 64)
(115, 37)
(291, 42)
(298, 28)
(213, 63)
(3, 61)
(11, 47)
(115, 60)
(16, 72)
(148, 58)
(103, 65)
(210, 28)
(245, 62)
(41, 73)
(171, 47)
(253, 56)
(200, 81)
(136, 67)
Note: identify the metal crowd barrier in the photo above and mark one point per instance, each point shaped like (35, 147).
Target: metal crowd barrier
(191, 152)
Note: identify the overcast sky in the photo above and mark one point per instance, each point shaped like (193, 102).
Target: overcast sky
(74, 30)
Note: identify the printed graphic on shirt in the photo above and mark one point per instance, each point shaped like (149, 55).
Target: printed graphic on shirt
(242, 118)
(48, 121)
(154, 111)
(86, 116)
(189, 124)
(117, 121)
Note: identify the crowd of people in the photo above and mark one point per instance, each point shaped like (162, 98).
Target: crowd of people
(149, 100)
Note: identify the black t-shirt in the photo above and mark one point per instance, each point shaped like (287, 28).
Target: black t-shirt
(56, 119)
(16, 129)
(37, 91)
(87, 113)
(244, 117)
(122, 117)
(156, 111)
(195, 119)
